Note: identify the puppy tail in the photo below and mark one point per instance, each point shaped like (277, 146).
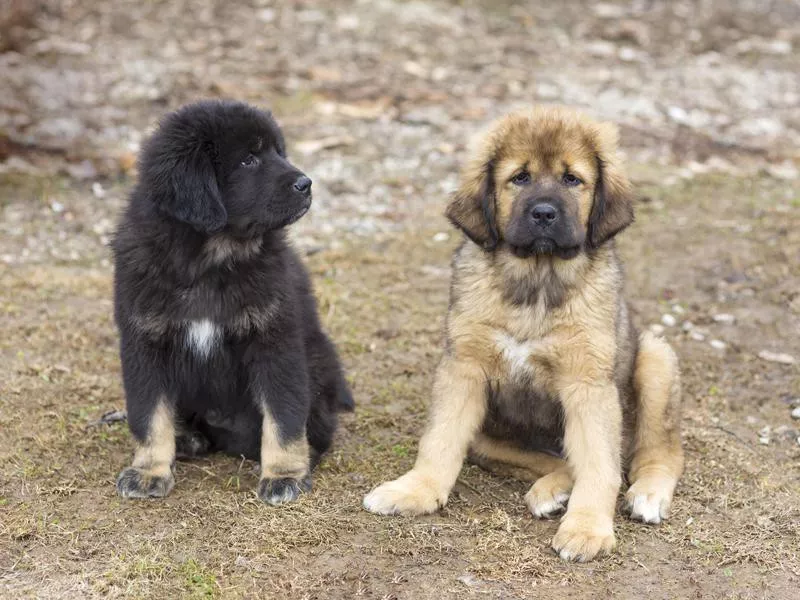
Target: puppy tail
(344, 398)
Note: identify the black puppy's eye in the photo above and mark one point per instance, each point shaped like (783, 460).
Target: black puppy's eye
(251, 161)
(523, 178)
(571, 180)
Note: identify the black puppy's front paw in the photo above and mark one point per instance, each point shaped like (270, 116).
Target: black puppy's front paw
(139, 483)
(280, 491)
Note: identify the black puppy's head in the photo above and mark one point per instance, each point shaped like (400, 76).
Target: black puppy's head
(222, 165)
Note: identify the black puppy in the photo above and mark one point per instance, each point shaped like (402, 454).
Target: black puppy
(221, 344)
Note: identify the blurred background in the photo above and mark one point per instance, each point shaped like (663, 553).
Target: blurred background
(377, 99)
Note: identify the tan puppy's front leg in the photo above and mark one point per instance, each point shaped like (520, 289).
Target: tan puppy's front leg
(592, 439)
(457, 412)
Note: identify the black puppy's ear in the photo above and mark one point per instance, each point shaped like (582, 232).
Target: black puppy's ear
(612, 208)
(193, 196)
(472, 207)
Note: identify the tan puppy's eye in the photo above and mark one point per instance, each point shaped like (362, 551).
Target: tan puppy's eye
(571, 180)
(523, 178)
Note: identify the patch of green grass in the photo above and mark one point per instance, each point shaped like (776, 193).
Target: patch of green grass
(198, 581)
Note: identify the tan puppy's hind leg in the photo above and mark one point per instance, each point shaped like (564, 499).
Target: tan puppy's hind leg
(552, 479)
(657, 456)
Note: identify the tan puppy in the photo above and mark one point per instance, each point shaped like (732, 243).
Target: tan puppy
(542, 367)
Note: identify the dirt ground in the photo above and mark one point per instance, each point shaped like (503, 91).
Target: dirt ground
(377, 100)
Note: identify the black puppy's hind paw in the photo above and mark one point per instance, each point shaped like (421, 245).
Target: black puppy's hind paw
(191, 444)
(281, 491)
(138, 483)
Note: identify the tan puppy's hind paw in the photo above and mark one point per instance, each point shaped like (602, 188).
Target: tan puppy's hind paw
(548, 496)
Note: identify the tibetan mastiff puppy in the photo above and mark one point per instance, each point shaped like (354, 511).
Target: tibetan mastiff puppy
(221, 344)
(542, 368)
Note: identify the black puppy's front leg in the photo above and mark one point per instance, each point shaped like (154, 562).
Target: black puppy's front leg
(151, 421)
(280, 383)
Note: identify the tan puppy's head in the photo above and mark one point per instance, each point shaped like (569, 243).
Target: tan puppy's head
(543, 181)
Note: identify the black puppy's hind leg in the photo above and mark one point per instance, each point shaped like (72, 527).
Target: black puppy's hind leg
(152, 423)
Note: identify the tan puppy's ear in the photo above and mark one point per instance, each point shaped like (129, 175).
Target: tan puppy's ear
(612, 209)
(472, 207)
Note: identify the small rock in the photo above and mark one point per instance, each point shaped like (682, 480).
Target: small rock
(687, 325)
(725, 318)
(668, 320)
(778, 357)
(82, 171)
(98, 190)
(57, 207)
(717, 344)
(441, 237)
(796, 413)
(765, 431)
(764, 441)
(784, 170)
(697, 336)
(469, 580)
(657, 329)
(678, 309)
(751, 420)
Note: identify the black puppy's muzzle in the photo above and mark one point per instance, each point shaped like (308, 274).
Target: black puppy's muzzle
(303, 185)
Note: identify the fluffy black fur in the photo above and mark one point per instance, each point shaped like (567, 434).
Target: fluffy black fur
(202, 240)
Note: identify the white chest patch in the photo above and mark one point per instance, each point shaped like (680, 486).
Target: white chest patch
(516, 354)
(202, 336)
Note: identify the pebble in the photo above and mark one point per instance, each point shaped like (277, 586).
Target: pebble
(778, 357)
(57, 207)
(98, 190)
(717, 344)
(656, 329)
(678, 309)
(668, 320)
(441, 237)
(764, 441)
(697, 336)
(687, 326)
(796, 413)
(725, 318)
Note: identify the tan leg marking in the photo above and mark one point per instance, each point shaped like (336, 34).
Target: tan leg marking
(457, 412)
(657, 456)
(285, 464)
(592, 439)
(150, 474)
(282, 459)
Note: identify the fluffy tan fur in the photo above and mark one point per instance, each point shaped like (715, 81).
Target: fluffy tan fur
(571, 339)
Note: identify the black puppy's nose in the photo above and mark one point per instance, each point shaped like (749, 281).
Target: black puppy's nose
(544, 214)
(303, 184)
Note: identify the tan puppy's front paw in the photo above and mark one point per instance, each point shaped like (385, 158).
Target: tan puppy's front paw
(584, 535)
(411, 494)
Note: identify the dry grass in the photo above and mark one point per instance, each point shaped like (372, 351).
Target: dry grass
(734, 528)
